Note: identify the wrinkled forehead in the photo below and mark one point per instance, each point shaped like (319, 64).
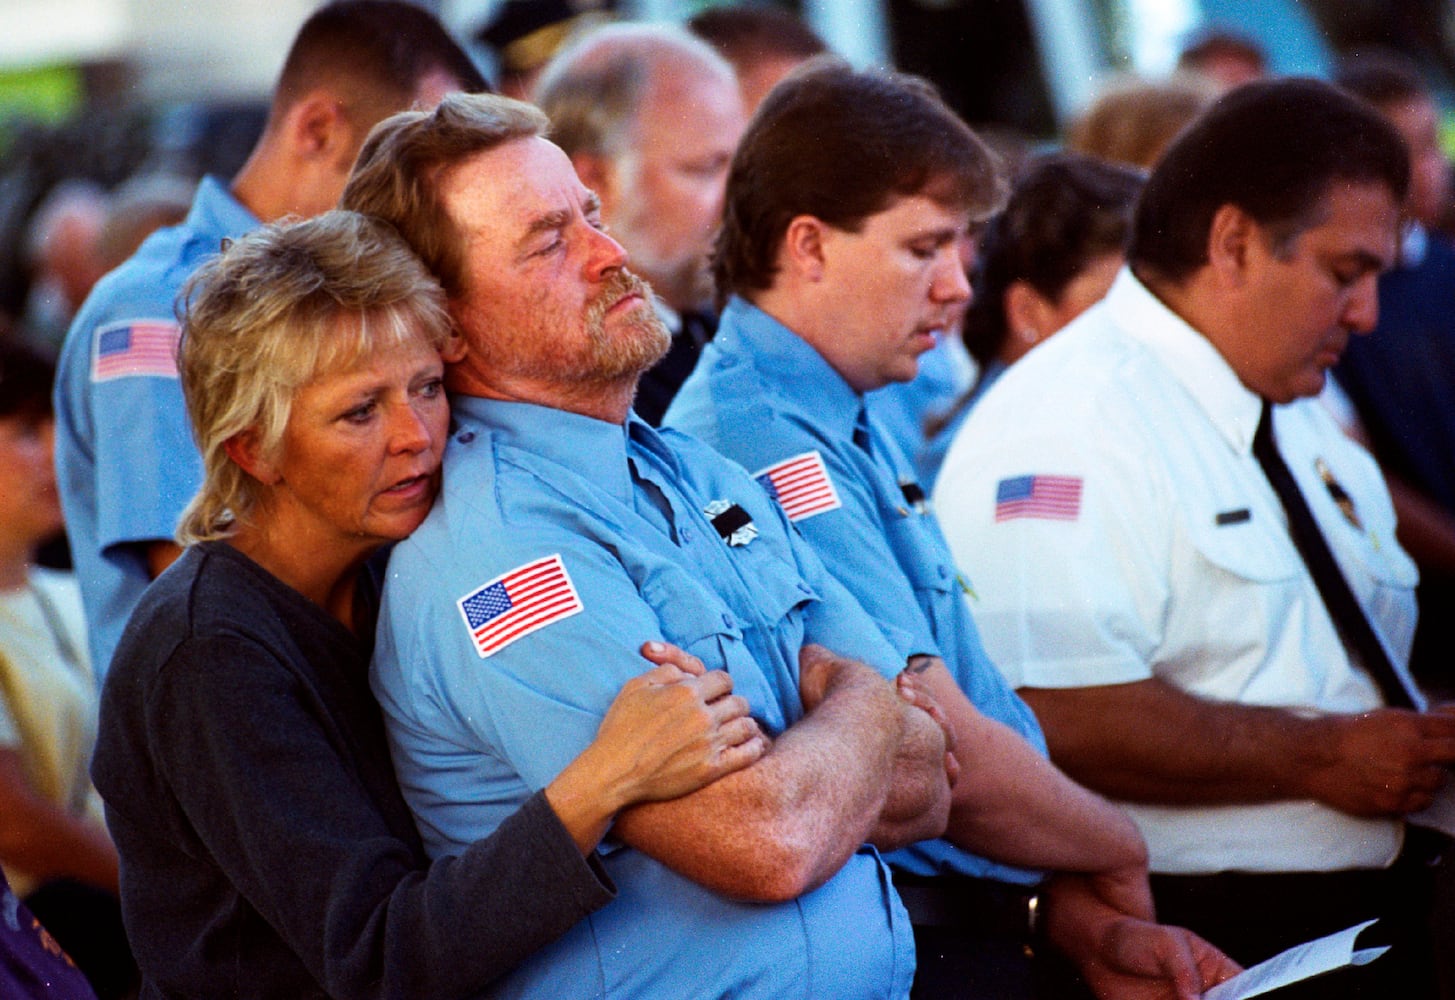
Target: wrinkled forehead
(495, 196)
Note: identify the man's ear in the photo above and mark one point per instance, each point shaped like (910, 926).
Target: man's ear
(246, 452)
(454, 348)
(317, 128)
(804, 247)
(1230, 242)
(1027, 313)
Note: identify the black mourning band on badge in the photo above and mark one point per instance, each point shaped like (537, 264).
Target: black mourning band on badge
(913, 494)
(731, 520)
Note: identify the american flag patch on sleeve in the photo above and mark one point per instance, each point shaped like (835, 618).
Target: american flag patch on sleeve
(1049, 498)
(801, 485)
(520, 602)
(136, 347)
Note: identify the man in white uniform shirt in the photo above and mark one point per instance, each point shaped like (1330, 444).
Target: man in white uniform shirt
(1135, 565)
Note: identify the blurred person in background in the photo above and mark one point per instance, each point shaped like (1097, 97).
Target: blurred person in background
(63, 248)
(1041, 262)
(523, 35)
(1133, 120)
(1401, 380)
(650, 116)
(764, 44)
(266, 849)
(137, 208)
(1224, 56)
(124, 455)
(54, 848)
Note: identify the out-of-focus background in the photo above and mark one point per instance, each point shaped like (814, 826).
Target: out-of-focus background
(97, 93)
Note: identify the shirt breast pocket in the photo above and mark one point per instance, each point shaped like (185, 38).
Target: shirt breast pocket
(1234, 582)
(693, 618)
(1245, 545)
(925, 567)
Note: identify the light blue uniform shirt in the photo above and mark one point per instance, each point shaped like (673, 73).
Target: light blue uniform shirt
(126, 464)
(762, 395)
(904, 409)
(474, 735)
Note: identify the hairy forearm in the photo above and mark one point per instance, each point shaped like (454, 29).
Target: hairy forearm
(787, 823)
(918, 804)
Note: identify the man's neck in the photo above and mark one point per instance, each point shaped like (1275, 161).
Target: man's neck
(611, 402)
(805, 321)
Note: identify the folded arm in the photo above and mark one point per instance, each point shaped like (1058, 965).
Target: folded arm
(669, 732)
(786, 824)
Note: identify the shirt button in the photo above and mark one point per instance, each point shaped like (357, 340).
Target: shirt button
(727, 620)
(944, 573)
(687, 536)
(465, 437)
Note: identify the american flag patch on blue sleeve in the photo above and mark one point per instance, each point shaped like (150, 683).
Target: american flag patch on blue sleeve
(520, 602)
(136, 347)
(801, 485)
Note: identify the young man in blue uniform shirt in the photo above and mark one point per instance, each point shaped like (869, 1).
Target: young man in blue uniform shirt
(125, 461)
(568, 533)
(842, 265)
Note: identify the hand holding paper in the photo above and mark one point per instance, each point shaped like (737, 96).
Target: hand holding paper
(1298, 963)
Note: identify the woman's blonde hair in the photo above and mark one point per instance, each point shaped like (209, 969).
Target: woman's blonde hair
(269, 314)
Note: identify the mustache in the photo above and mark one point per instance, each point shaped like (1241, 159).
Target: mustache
(619, 285)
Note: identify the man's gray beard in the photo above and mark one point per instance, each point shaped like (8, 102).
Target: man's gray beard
(630, 353)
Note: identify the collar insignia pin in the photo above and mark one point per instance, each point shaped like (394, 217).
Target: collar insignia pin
(733, 524)
(914, 495)
(1341, 496)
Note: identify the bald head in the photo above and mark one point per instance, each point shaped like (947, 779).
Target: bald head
(593, 90)
(650, 117)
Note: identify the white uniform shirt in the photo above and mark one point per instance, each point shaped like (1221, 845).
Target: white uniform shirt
(1162, 551)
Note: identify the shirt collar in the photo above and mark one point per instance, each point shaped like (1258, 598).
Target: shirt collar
(785, 359)
(592, 449)
(215, 210)
(1189, 356)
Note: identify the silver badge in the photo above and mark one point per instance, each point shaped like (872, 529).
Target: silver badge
(736, 528)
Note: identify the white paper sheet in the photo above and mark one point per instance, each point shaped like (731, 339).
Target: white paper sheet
(1296, 964)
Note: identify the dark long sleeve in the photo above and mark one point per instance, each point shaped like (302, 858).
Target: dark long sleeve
(266, 850)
